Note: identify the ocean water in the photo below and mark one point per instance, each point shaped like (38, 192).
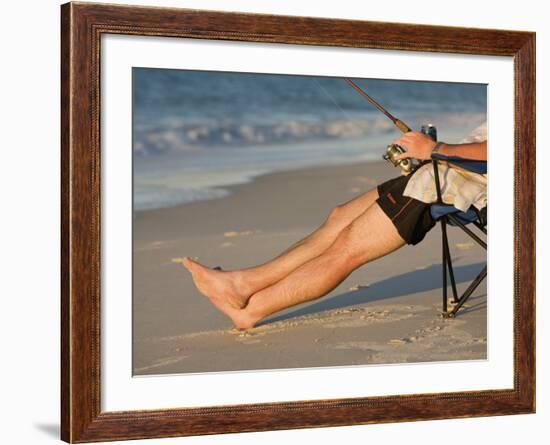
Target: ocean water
(197, 132)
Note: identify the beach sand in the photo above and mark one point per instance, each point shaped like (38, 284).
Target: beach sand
(388, 311)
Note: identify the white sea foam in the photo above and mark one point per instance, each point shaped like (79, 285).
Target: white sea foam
(180, 136)
(181, 176)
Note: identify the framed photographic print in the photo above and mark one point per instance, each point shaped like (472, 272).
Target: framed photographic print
(275, 222)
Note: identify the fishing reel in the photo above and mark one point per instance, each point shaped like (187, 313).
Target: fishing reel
(392, 151)
(407, 165)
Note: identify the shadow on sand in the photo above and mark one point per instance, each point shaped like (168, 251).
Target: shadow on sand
(405, 284)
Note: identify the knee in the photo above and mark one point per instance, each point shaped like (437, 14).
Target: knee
(335, 215)
(347, 246)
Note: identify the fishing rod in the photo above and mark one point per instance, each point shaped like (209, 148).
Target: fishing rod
(407, 165)
(398, 123)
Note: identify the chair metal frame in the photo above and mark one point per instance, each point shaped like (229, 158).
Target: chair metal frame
(447, 265)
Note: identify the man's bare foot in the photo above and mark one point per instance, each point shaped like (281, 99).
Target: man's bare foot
(221, 292)
(215, 283)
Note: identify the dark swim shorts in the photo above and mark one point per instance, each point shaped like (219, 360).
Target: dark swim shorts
(411, 217)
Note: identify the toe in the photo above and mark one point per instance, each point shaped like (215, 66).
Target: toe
(187, 263)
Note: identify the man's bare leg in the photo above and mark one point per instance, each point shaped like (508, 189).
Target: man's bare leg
(370, 236)
(237, 286)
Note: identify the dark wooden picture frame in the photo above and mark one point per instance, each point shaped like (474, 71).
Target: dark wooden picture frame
(82, 25)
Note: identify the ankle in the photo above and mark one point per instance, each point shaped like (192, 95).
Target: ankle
(242, 283)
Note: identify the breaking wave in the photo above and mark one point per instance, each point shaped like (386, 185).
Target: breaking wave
(180, 136)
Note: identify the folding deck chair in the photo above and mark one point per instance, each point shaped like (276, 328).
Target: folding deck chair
(448, 215)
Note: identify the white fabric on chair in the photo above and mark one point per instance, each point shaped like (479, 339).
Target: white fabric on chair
(459, 187)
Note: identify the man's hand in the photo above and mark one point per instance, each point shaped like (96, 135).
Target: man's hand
(418, 146)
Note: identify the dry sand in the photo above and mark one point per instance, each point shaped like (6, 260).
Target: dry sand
(386, 312)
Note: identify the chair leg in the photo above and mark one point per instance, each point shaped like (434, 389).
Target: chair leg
(444, 263)
(446, 254)
(472, 235)
(449, 263)
(467, 293)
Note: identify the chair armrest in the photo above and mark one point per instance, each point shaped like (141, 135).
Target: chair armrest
(472, 165)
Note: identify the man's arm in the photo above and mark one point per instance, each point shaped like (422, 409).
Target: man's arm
(419, 146)
(475, 150)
